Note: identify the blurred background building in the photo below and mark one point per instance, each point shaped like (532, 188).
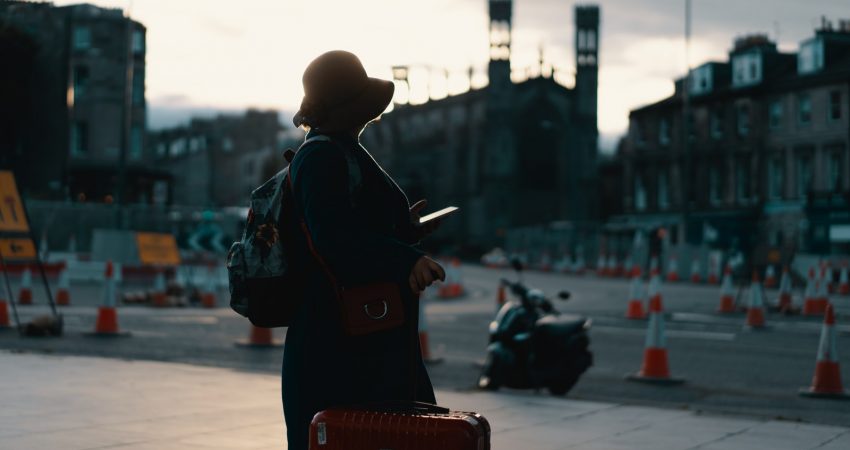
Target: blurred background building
(510, 154)
(765, 166)
(73, 103)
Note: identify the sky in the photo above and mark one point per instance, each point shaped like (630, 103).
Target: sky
(211, 55)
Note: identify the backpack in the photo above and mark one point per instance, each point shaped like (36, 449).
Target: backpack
(265, 285)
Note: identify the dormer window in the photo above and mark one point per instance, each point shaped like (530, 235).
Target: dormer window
(810, 57)
(701, 80)
(746, 69)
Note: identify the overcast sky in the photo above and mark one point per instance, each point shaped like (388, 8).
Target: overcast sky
(226, 54)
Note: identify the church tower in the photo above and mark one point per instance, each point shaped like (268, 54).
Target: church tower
(583, 156)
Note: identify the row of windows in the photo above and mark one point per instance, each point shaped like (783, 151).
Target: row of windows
(82, 81)
(81, 39)
(743, 114)
(775, 181)
(81, 146)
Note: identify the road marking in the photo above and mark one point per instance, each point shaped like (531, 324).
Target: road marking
(684, 334)
(200, 320)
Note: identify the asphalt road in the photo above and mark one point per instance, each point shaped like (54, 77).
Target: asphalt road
(727, 368)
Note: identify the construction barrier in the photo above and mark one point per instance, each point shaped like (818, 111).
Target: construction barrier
(25, 291)
(727, 296)
(635, 309)
(655, 368)
(826, 382)
(755, 308)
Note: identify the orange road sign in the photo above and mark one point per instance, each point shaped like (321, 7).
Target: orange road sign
(12, 215)
(17, 249)
(157, 249)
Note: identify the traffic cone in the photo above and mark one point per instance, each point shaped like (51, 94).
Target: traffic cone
(822, 295)
(784, 303)
(653, 263)
(159, 296)
(696, 276)
(545, 262)
(655, 368)
(843, 282)
(501, 298)
(611, 266)
(25, 291)
(453, 287)
(727, 299)
(259, 338)
(208, 295)
(427, 357)
(627, 262)
(600, 265)
(827, 380)
(580, 266)
(107, 317)
(63, 293)
(713, 277)
(635, 309)
(673, 269)
(811, 305)
(755, 310)
(769, 276)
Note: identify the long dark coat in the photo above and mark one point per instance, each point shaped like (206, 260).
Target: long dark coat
(361, 243)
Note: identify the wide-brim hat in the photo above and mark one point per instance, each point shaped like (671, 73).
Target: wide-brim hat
(339, 96)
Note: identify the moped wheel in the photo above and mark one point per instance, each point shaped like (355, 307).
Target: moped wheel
(490, 379)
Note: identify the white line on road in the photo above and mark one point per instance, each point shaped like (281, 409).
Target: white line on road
(685, 334)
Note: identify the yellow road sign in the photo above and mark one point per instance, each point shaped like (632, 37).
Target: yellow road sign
(12, 215)
(17, 249)
(157, 249)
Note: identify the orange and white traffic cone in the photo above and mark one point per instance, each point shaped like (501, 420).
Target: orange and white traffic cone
(755, 309)
(653, 263)
(600, 265)
(159, 297)
(424, 346)
(580, 266)
(208, 294)
(727, 298)
(810, 301)
(673, 269)
(784, 303)
(546, 262)
(501, 297)
(696, 273)
(822, 294)
(25, 291)
(453, 287)
(655, 368)
(611, 266)
(769, 276)
(259, 338)
(635, 309)
(623, 268)
(713, 277)
(107, 316)
(63, 292)
(827, 380)
(843, 282)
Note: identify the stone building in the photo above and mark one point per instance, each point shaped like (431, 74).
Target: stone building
(765, 167)
(218, 161)
(79, 123)
(510, 154)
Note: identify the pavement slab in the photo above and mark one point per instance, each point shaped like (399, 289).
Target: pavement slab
(77, 403)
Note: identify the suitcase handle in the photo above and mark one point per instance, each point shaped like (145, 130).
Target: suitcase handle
(405, 407)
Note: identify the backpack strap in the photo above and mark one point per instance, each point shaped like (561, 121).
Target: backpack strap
(355, 175)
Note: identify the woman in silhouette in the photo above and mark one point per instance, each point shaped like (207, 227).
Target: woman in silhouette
(365, 232)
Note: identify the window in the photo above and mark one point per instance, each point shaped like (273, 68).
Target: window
(138, 88)
(833, 172)
(136, 142)
(663, 191)
(138, 42)
(746, 69)
(81, 38)
(742, 181)
(810, 57)
(743, 119)
(664, 131)
(804, 109)
(79, 139)
(775, 180)
(804, 175)
(640, 194)
(714, 186)
(835, 105)
(717, 124)
(81, 82)
(700, 79)
(775, 114)
(227, 144)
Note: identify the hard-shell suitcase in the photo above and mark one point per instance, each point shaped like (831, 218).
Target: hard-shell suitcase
(412, 426)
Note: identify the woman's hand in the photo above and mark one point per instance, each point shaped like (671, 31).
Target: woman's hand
(425, 272)
(421, 231)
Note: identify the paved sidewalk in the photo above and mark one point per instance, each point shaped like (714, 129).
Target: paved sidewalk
(58, 402)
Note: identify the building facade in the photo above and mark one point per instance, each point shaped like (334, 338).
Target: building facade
(765, 165)
(81, 123)
(218, 161)
(509, 154)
